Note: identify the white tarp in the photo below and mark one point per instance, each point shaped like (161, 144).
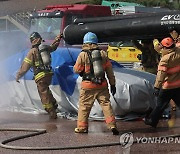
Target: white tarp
(133, 97)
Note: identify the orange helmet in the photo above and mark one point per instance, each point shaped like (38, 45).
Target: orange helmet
(167, 42)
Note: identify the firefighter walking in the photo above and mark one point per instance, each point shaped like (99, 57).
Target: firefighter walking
(158, 47)
(40, 60)
(92, 64)
(167, 84)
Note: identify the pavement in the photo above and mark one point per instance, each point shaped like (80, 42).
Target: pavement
(60, 133)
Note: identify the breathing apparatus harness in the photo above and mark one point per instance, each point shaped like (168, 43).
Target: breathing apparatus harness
(96, 74)
(44, 58)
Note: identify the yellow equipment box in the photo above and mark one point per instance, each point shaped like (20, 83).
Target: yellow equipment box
(123, 51)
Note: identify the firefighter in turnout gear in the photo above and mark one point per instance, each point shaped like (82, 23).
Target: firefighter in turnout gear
(92, 64)
(149, 58)
(158, 47)
(39, 59)
(167, 84)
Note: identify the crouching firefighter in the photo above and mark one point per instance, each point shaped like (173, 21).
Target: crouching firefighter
(92, 64)
(39, 59)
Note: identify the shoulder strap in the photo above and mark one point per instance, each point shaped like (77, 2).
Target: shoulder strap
(39, 57)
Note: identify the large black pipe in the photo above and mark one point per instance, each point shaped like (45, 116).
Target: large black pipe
(114, 28)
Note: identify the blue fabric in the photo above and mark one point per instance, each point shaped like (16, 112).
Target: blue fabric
(63, 60)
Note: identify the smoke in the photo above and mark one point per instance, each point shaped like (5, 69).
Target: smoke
(10, 44)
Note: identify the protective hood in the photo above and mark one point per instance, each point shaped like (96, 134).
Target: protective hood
(89, 46)
(36, 42)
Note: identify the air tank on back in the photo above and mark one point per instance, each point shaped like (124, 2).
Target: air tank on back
(45, 54)
(97, 64)
(115, 28)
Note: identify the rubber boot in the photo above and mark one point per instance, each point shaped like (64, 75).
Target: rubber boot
(148, 121)
(83, 130)
(114, 131)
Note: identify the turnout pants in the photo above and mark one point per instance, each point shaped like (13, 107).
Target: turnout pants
(45, 94)
(164, 98)
(86, 101)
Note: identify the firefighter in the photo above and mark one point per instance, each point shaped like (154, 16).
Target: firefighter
(39, 59)
(167, 84)
(92, 64)
(158, 47)
(149, 58)
(176, 37)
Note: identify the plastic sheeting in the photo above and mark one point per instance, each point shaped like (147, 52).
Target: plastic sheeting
(133, 96)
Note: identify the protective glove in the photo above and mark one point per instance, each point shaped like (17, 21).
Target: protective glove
(155, 42)
(61, 35)
(17, 77)
(81, 74)
(58, 37)
(156, 91)
(17, 80)
(113, 89)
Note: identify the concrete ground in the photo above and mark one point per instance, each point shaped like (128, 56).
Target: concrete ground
(60, 133)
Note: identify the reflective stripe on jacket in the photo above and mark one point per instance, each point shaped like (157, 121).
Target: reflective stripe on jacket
(40, 75)
(168, 76)
(83, 65)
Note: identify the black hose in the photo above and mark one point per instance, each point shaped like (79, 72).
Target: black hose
(43, 131)
(35, 132)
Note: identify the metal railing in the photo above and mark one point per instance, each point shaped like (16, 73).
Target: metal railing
(20, 20)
